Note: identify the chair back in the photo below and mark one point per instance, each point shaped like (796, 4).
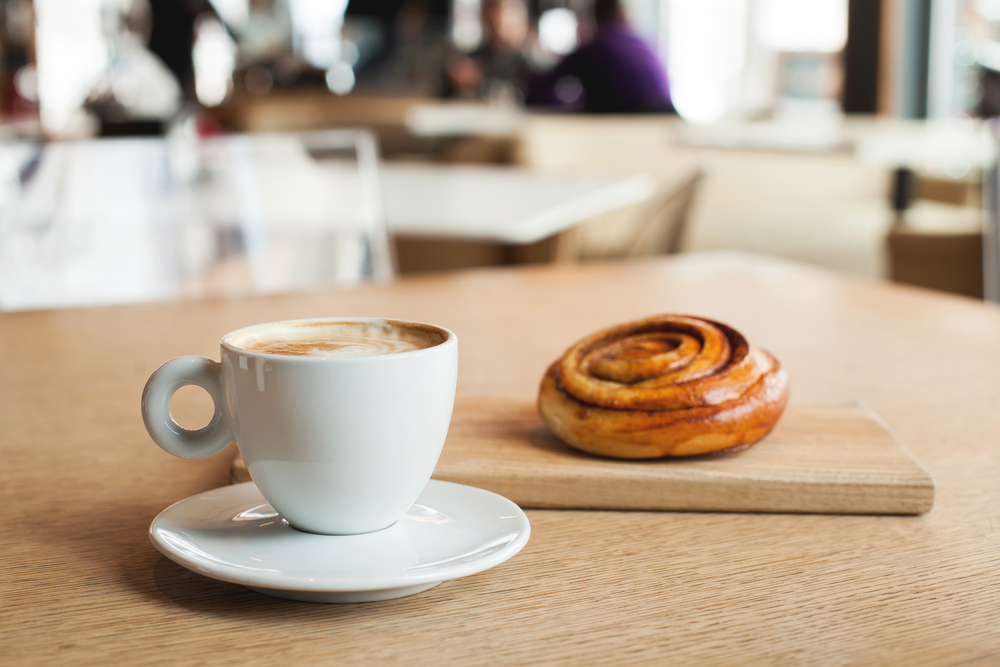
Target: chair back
(126, 220)
(655, 227)
(991, 220)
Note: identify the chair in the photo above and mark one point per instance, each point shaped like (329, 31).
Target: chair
(295, 211)
(128, 220)
(655, 227)
(936, 240)
(991, 219)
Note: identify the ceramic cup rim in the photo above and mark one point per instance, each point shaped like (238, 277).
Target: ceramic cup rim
(451, 340)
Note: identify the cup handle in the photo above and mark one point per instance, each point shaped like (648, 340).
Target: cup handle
(167, 433)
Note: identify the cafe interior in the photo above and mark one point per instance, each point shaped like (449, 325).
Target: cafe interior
(821, 177)
(841, 135)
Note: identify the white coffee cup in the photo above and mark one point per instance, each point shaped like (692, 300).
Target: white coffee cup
(337, 446)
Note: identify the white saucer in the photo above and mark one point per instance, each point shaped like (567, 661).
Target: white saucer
(234, 535)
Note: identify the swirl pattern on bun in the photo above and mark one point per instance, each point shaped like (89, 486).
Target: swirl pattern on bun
(669, 385)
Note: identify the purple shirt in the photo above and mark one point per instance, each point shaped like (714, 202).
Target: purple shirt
(616, 72)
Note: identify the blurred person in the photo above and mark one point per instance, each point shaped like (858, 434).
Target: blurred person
(417, 59)
(137, 92)
(614, 72)
(171, 36)
(499, 69)
(267, 34)
(19, 87)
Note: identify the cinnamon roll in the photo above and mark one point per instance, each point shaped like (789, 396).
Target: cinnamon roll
(669, 385)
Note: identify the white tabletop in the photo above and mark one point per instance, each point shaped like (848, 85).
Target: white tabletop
(501, 204)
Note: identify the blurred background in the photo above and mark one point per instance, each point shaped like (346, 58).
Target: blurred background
(176, 148)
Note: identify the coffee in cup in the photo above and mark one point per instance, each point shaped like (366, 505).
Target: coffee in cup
(340, 421)
(337, 339)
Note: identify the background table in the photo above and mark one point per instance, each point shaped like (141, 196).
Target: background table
(80, 482)
(500, 204)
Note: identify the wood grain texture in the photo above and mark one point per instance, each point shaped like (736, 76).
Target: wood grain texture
(832, 459)
(81, 481)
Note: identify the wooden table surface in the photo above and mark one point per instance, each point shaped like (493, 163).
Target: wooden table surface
(80, 482)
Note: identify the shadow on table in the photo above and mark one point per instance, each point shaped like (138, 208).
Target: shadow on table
(217, 598)
(114, 559)
(198, 593)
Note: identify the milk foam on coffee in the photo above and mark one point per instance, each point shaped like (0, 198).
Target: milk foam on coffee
(337, 339)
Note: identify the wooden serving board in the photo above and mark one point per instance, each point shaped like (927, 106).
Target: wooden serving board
(832, 459)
